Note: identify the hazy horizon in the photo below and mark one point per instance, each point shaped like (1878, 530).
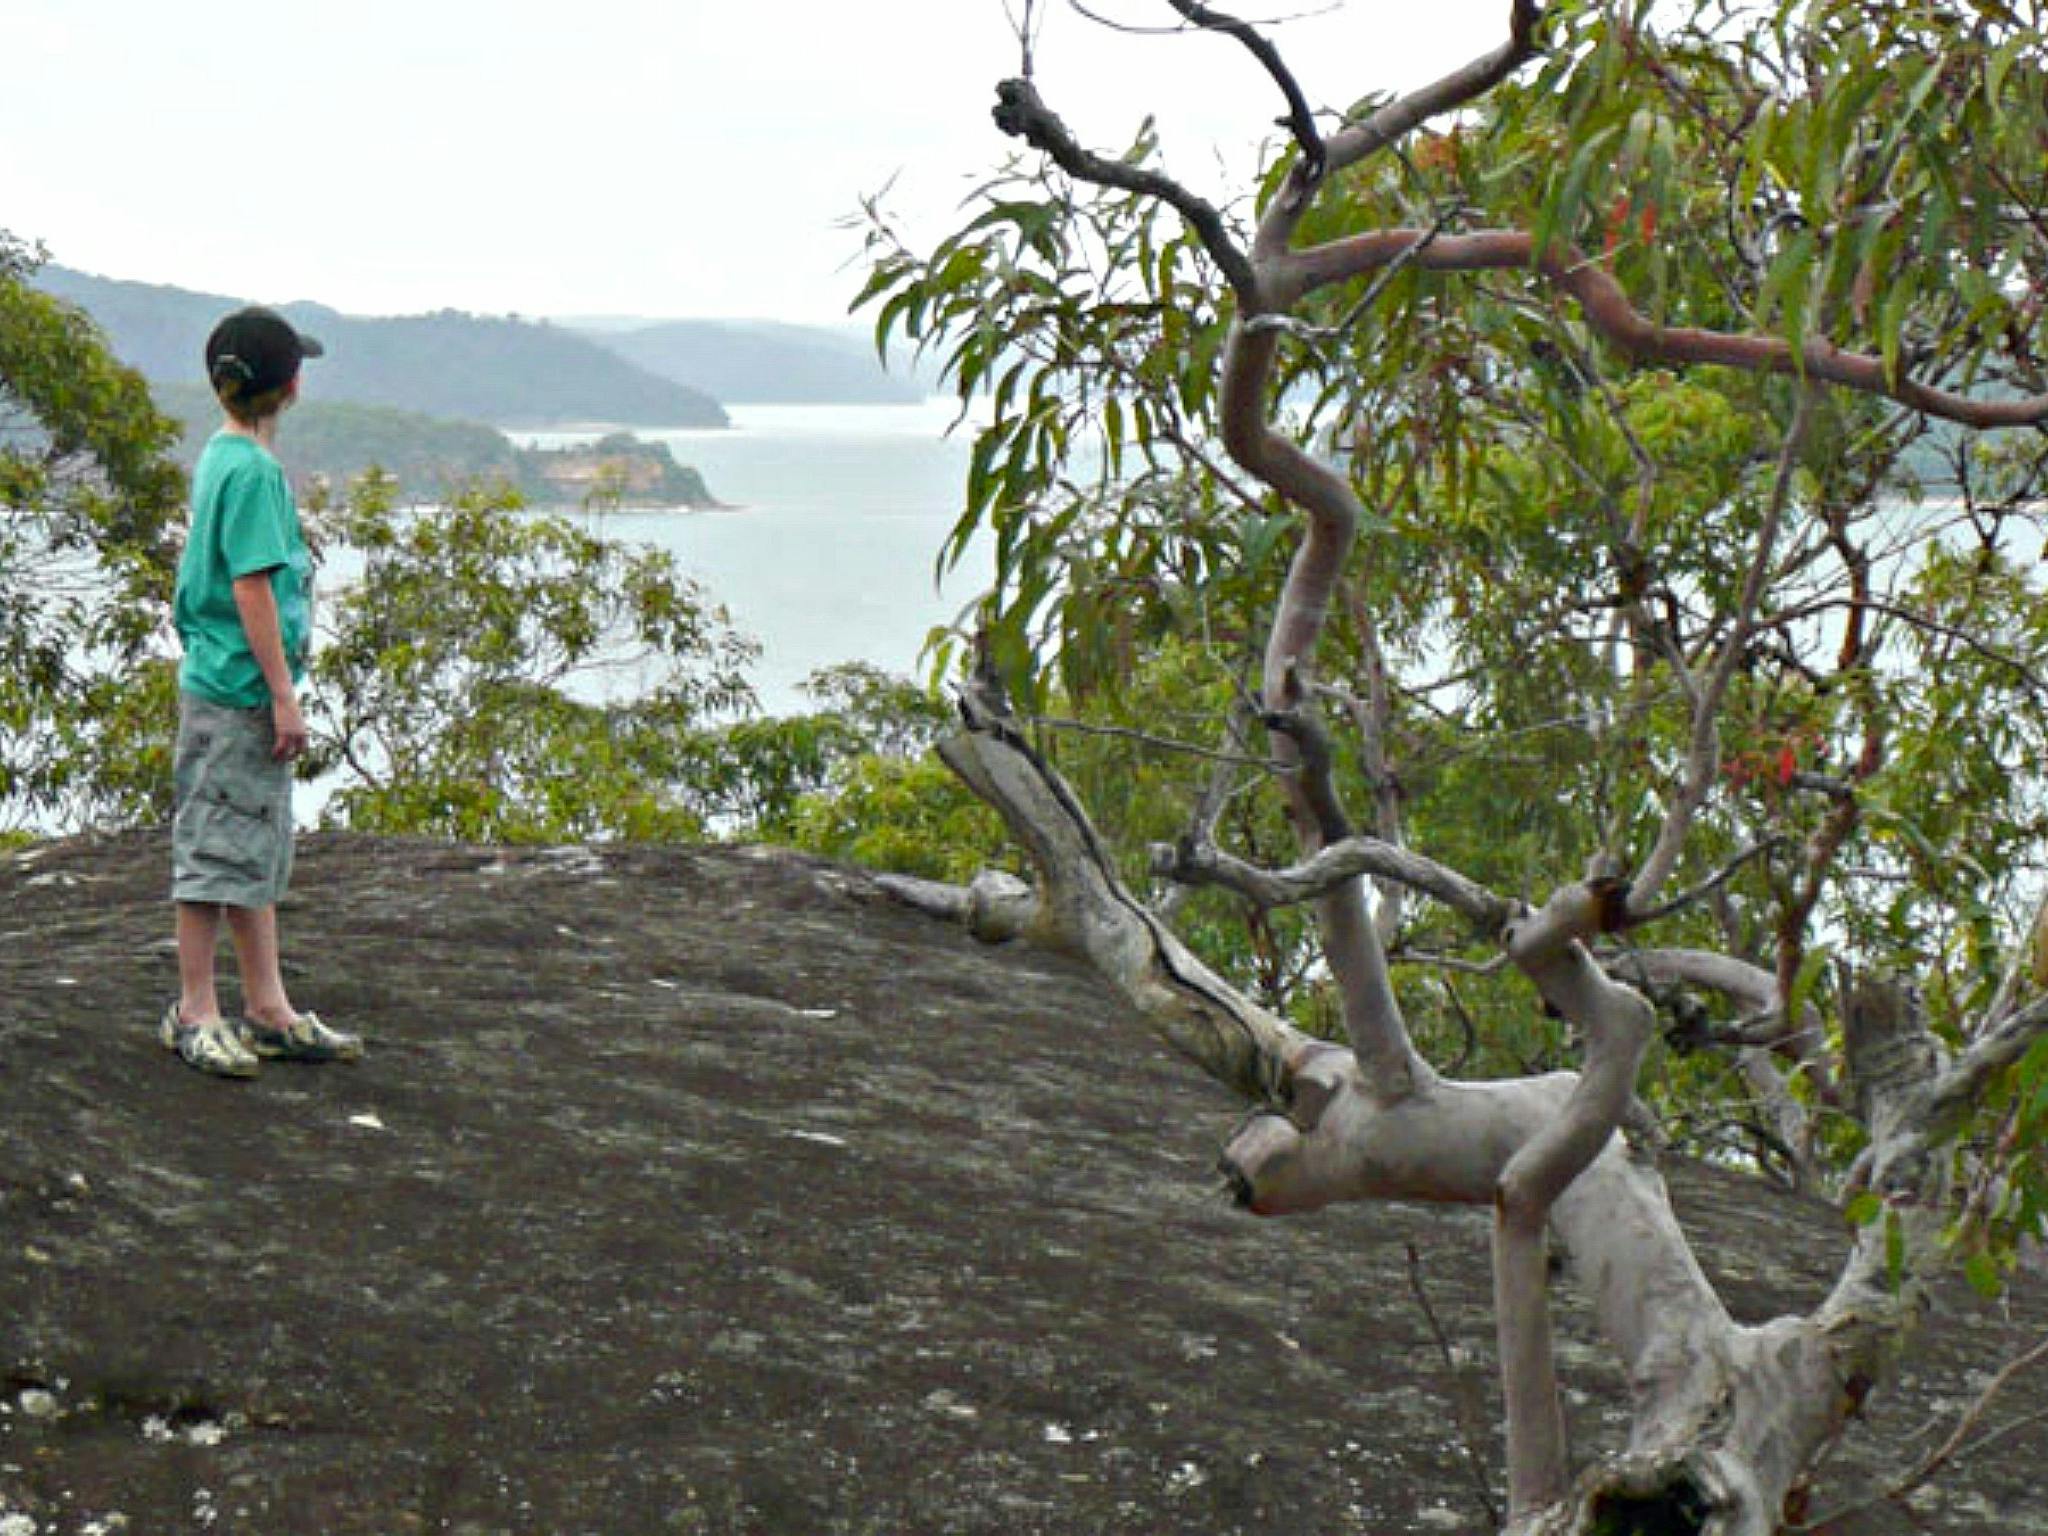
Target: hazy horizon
(668, 158)
(852, 324)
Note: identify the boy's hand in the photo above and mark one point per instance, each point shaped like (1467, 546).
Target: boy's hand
(288, 729)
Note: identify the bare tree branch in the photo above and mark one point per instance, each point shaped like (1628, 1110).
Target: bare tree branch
(1351, 944)
(1752, 988)
(1301, 121)
(1706, 887)
(1399, 118)
(1021, 113)
(1330, 868)
(1148, 738)
(1295, 326)
(1617, 1025)
(1950, 1449)
(1920, 621)
(1703, 754)
(1959, 1087)
(995, 907)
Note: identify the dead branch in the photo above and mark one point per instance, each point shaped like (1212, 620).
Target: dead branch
(1703, 753)
(1705, 888)
(1084, 908)
(1951, 1449)
(994, 907)
(1301, 121)
(1468, 1439)
(1021, 113)
(1330, 868)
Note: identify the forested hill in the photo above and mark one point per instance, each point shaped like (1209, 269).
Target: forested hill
(761, 362)
(430, 459)
(507, 371)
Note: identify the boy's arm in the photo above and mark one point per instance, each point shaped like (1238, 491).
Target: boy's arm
(257, 605)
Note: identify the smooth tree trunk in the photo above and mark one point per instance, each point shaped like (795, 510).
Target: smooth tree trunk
(1726, 1418)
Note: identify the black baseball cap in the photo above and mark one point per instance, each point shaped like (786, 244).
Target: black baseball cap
(256, 349)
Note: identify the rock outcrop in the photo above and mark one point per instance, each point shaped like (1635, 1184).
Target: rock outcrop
(708, 1191)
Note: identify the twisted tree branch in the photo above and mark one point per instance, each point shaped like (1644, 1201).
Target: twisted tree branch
(1022, 114)
(1611, 313)
(1301, 121)
(1330, 868)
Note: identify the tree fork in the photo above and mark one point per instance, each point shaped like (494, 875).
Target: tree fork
(1726, 1418)
(1082, 907)
(1710, 1397)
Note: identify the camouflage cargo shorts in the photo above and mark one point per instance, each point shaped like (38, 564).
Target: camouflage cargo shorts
(231, 826)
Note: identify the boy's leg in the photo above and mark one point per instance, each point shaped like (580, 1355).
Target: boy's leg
(193, 1026)
(198, 939)
(271, 1025)
(263, 993)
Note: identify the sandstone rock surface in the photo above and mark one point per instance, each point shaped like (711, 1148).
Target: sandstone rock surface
(708, 1191)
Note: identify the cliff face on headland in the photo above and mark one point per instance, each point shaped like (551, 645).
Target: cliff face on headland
(708, 1191)
(619, 468)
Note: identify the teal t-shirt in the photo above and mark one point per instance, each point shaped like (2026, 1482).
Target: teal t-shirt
(243, 522)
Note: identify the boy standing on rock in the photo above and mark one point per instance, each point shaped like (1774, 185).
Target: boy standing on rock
(243, 611)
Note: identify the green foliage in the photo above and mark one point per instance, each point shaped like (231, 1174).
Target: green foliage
(462, 693)
(906, 816)
(1091, 329)
(88, 503)
(447, 695)
(1557, 548)
(881, 797)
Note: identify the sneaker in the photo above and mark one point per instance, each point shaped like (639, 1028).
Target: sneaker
(306, 1040)
(210, 1047)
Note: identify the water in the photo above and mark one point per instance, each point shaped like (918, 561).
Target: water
(828, 555)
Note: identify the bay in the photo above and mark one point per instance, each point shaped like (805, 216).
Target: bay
(834, 517)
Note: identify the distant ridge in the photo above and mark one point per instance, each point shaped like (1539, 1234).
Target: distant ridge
(758, 362)
(508, 372)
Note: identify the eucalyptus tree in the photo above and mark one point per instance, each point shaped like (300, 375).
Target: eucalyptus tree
(461, 679)
(89, 503)
(1617, 468)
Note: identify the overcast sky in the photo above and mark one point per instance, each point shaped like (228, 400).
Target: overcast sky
(648, 157)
